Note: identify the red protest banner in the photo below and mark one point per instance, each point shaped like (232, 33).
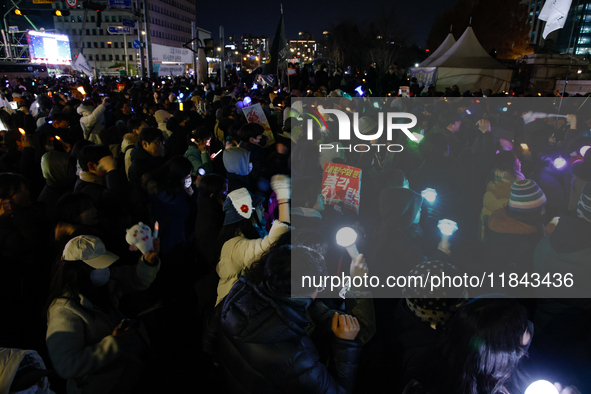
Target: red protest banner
(341, 185)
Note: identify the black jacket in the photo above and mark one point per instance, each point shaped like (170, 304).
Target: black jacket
(265, 349)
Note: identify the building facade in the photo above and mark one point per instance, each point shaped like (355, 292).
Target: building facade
(254, 46)
(169, 23)
(578, 23)
(536, 25)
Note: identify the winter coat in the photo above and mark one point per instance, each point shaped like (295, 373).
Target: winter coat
(510, 243)
(13, 359)
(59, 171)
(175, 213)
(93, 123)
(264, 347)
(79, 335)
(110, 196)
(566, 250)
(210, 219)
(141, 163)
(199, 160)
(239, 253)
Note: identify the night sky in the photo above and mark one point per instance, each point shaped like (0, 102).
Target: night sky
(261, 17)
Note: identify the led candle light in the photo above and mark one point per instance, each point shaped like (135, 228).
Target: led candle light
(429, 195)
(22, 131)
(559, 163)
(524, 146)
(81, 90)
(57, 137)
(541, 387)
(156, 228)
(447, 227)
(346, 237)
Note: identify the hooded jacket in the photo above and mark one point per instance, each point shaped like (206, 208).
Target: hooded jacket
(264, 346)
(238, 165)
(59, 171)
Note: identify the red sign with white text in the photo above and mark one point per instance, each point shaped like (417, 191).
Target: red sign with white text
(341, 185)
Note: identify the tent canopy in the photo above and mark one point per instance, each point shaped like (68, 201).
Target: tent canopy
(444, 47)
(467, 65)
(467, 53)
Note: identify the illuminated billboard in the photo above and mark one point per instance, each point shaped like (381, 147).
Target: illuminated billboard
(49, 48)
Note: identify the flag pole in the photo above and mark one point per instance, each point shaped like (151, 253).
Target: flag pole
(571, 60)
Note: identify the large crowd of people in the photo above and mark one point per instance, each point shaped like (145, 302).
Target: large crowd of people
(148, 231)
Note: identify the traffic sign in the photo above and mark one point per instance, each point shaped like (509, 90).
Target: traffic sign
(119, 30)
(120, 3)
(137, 44)
(128, 22)
(72, 3)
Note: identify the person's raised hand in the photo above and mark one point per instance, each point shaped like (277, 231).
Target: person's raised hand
(358, 266)
(281, 185)
(483, 125)
(345, 326)
(151, 257)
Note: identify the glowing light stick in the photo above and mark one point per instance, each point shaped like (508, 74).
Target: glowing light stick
(429, 194)
(346, 237)
(81, 90)
(447, 227)
(559, 163)
(584, 149)
(156, 228)
(541, 387)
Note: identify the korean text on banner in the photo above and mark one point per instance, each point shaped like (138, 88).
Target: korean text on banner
(255, 114)
(341, 185)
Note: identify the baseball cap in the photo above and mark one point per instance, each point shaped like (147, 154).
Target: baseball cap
(89, 249)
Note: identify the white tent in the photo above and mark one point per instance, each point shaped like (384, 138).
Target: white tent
(444, 47)
(469, 66)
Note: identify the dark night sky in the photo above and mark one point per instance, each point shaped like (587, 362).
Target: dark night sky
(261, 17)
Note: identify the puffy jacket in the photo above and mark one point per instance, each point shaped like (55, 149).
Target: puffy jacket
(264, 348)
(239, 253)
(79, 335)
